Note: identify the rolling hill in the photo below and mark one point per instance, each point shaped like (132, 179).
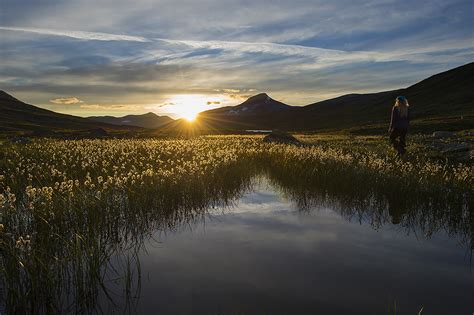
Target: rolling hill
(149, 120)
(16, 116)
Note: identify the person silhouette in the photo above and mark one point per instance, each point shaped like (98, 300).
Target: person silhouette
(399, 123)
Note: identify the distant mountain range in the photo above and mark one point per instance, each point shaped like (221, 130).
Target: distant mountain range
(149, 120)
(449, 93)
(438, 98)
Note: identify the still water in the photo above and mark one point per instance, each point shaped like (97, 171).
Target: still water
(264, 254)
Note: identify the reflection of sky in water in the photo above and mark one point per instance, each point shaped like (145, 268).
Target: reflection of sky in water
(263, 256)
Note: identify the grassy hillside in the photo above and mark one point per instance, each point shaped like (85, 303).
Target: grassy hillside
(19, 117)
(448, 94)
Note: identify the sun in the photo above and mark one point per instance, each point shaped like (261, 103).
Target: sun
(188, 106)
(189, 116)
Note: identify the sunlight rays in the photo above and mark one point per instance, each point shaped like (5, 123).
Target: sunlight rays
(188, 106)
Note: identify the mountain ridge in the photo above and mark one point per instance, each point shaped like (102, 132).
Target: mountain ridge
(149, 120)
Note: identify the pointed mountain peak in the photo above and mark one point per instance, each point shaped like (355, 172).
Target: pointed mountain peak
(259, 97)
(150, 114)
(256, 105)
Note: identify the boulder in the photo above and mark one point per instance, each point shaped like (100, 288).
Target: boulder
(455, 147)
(281, 138)
(98, 133)
(43, 133)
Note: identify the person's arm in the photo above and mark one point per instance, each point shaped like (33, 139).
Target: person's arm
(392, 119)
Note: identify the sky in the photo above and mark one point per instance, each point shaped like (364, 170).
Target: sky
(175, 57)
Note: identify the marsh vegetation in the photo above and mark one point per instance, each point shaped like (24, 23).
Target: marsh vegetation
(75, 214)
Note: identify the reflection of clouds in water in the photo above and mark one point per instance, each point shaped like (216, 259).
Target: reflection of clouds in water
(263, 253)
(262, 200)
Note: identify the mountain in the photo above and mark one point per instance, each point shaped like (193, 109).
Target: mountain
(445, 100)
(149, 120)
(257, 112)
(16, 115)
(260, 104)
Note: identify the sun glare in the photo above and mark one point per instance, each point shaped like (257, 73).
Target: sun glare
(190, 116)
(188, 106)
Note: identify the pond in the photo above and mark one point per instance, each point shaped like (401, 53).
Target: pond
(274, 250)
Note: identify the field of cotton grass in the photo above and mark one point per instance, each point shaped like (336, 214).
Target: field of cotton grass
(69, 207)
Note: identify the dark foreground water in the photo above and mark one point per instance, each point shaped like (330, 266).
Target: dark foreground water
(266, 255)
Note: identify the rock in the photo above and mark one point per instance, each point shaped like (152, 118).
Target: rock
(97, 133)
(281, 138)
(20, 140)
(443, 134)
(455, 147)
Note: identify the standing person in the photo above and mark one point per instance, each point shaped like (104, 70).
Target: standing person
(399, 124)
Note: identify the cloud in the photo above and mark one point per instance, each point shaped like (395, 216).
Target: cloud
(172, 51)
(321, 54)
(302, 50)
(239, 97)
(78, 34)
(66, 101)
(254, 47)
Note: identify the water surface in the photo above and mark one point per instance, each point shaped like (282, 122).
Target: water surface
(265, 253)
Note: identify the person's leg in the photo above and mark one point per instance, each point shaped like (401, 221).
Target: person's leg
(393, 138)
(402, 143)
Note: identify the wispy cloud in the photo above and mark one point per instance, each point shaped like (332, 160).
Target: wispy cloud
(181, 49)
(78, 34)
(66, 101)
(118, 107)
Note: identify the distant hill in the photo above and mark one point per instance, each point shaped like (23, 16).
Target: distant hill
(16, 115)
(443, 95)
(149, 120)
